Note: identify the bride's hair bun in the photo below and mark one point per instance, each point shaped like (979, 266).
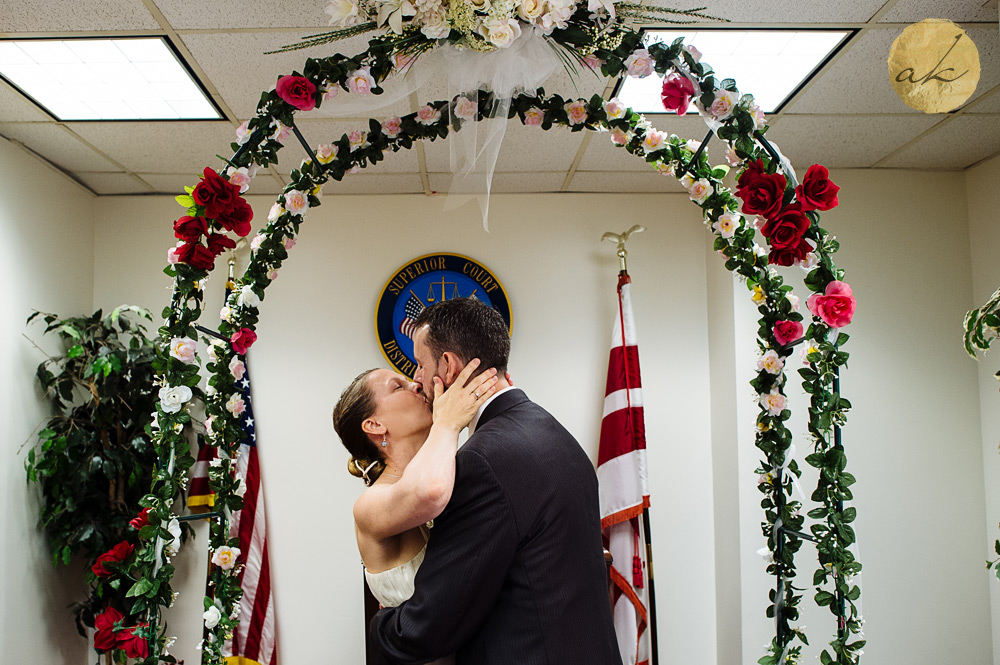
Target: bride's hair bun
(358, 467)
(357, 403)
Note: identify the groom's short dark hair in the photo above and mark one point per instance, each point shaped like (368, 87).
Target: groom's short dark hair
(469, 328)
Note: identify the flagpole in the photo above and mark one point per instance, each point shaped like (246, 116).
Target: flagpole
(624, 278)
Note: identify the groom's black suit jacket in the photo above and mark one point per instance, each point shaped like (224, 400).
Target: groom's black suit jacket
(514, 572)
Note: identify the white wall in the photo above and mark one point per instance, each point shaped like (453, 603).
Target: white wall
(915, 439)
(316, 334)
(983, 188)
(913, 436)
(47, 264)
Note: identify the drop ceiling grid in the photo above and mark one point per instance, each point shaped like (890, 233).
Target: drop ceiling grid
(234, 64)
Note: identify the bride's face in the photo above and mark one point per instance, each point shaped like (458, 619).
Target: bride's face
(398, 404)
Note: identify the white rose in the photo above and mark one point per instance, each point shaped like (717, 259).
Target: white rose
(174, 527)
(247, 297)
(226, 314)
(225, 557)
(700, 190)
(727, 224)
(241, 488)
(275, 212)
(770, 362)
(480, 5)
(500, 32)
(529, 10)
(687, 180)
(296, 202)
(435, 25)
(212, 617)
(172, 398)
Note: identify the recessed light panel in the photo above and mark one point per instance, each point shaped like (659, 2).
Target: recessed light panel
(769, 64)
(105, 79)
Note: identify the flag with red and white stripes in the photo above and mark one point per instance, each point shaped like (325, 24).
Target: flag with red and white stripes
(624, 491)
(200, 497)
(253, 641)
(411, 310)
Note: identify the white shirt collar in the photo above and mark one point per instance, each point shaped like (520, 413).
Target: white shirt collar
(479, 413)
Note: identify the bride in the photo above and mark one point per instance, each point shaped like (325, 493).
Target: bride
(406, 455)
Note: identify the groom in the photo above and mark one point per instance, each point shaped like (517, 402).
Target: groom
(514, 572)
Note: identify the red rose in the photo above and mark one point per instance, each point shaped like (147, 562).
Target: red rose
(140, 520)
(216, 194)
(135, 646)
(753, 170)
(786, 332)
(190, 229)
(297, 91)
(242, 340)
(817, 191)
(786, 256)
(196, 255)
(238, 218)
(218, 243)
(116, 554)
(836, 306)
(676, 93)
(786, 228)
(104, 638)
(761, 192)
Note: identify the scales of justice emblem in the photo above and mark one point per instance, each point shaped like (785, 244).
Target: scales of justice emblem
(419, 284)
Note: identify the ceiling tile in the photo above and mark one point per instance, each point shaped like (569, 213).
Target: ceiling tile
(241, 14)
(912, 11)
(56, 144)
(962, 142)
(161, 147)
(15, 107)
(508, 183)
(987, 103)
(603, 155)
(845, 141)
(362, 183)
(802, 11)
(46, 16)
(617, 182)
(328, 131)
(858, 82)
(236, 65)
(523, 148)
(113, 183)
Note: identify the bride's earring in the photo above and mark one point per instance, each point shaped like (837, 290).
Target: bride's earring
(384, 442)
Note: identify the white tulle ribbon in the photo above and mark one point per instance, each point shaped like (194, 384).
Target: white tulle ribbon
(505, 72)
(522, 67)
(789, 456)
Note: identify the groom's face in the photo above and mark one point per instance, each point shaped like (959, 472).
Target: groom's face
(429, 365)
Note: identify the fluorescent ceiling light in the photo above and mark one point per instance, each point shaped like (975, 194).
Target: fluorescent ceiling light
(769, 64)
(105, 79)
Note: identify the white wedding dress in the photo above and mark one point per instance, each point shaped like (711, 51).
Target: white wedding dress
(391, 587)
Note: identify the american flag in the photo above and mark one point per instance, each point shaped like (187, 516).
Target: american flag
(412, 309)
(200, 497)
(254, 639)
(624, 490)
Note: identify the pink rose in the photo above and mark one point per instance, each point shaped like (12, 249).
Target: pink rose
(298, 91)
(172, 254)
(836, 306)
(533, 117)
(289, 243)
(466, 109)
(238, 369)
(618, 137)
(676, 93)
(242, 340)
(257, 240)
(392, 127)
(428, 115)
(639, 64)
(593, 62)
(786, 332)
(360, 81)
(577, 112)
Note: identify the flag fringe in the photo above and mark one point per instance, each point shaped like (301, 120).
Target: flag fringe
(625, 514)
(626, 588)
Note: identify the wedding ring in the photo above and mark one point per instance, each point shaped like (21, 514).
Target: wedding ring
(476, 394)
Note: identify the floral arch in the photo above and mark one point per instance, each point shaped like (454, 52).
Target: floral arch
(771, 202)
